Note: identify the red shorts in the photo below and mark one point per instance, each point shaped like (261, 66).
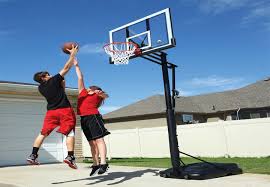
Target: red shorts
(63, 117)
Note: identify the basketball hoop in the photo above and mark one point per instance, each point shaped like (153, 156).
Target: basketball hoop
(121, 51)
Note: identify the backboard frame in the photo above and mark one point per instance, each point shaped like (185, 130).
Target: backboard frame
(170, 42)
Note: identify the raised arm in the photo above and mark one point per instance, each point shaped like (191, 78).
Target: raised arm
(79, 75)
(69, 63)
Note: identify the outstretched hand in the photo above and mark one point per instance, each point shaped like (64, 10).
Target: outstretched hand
(73, 51)
(69, 63)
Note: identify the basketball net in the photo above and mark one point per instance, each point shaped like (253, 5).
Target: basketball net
(121, 51)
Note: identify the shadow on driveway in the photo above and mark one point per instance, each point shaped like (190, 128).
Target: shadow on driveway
(6, 185)
(121, 176)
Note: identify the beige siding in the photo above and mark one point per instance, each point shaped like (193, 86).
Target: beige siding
(213, 119)
(137, 124)
(22, 111)
(241, 138)
(20, 123)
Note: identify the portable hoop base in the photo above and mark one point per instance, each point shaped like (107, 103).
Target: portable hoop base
(202, 171)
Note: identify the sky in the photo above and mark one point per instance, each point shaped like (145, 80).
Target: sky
(221, 44)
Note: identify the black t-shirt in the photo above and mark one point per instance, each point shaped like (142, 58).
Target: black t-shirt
(54, 93)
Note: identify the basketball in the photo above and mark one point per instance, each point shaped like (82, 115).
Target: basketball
(68, 45)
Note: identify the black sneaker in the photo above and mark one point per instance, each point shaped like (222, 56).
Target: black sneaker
(103, 168)
(32, 159)
(70, 160)
(95, 169)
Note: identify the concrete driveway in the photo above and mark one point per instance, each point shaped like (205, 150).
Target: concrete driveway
(59, 175)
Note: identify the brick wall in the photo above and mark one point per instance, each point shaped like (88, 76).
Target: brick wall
(78, 141)
(78, 135)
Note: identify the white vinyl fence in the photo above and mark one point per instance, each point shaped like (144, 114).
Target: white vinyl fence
(242, 138)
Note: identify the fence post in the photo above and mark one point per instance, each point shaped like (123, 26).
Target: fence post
(139, 142)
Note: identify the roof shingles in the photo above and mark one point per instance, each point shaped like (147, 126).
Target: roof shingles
(255, 95)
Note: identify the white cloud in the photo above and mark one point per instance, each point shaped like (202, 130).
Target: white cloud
(210, 84)
(267, 25)
(259, 11)
(256, 12)
(3, 32)
(186, 92)
(5, 1)
(107, 109)
(218, 6)
(92, 48)
(215, 81)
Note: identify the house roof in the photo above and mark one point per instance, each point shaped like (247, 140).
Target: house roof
(20, 88)
(152, 105)
(256, 95)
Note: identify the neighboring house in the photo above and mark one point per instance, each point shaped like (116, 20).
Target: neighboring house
(252, 101)
(22, 110)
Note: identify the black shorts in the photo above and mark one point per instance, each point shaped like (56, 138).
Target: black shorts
(93, 127)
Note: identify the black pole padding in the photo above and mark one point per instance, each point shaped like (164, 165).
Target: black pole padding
(173, 142)
(173, 88)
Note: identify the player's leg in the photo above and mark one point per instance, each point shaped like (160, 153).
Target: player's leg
(70, 142)
(95, 156)
(92, 131)
(102, 153)
(32, 159)
(99, 130)
(67, 127)
(49, 124)
(100, 143)
(94, 152)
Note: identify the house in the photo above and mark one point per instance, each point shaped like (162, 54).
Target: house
(22, 110)
(251, 101)
(140, 129)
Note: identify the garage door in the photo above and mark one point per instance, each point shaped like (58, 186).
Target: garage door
(20, 123)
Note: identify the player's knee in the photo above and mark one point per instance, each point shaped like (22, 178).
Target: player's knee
(91, 143)
(45, 134)
(99, 140)
(71, 134)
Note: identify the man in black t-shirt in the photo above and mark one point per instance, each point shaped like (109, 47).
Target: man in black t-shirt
(59, 111)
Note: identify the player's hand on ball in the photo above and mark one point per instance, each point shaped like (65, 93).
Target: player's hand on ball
(73, 51)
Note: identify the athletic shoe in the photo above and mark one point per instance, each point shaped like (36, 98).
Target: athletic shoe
(103, 168)
(70, 160)
(95, 169)
(32, 159)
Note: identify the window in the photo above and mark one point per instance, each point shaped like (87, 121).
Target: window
(263, 114)
(187, 118)
(254, 115)
(244, 115)
(251, 114)
(234, 117)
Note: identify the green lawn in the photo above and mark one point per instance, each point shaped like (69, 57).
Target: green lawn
(248, 165)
